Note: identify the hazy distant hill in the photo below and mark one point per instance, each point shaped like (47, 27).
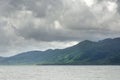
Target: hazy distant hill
(86, 52)
(1, 58)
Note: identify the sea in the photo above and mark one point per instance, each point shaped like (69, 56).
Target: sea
(60, 72)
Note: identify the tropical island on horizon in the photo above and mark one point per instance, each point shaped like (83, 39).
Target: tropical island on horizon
(103, 52)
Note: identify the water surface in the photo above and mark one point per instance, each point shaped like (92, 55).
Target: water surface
(59, 72)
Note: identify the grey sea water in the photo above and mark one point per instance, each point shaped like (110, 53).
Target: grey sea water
(59, 72)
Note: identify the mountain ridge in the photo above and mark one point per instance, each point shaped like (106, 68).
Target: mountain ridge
(103, 52)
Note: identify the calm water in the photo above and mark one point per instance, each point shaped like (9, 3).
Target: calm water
(59, 72)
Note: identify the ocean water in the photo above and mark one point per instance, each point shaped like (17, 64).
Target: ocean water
(59, 72)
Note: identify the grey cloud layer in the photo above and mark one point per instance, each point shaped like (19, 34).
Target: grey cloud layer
(41, 22)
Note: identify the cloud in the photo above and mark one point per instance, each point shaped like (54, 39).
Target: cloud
(43, 24)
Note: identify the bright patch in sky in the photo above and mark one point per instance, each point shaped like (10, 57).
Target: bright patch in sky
(89, 2)
(111, 6)
(57, 24)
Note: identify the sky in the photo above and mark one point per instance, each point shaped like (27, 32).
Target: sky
(27, 25)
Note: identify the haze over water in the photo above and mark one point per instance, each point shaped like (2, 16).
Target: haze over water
(59, 72)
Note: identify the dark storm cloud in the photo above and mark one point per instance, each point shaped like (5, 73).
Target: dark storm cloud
(75, 18)
(38, 7)
(118, 2)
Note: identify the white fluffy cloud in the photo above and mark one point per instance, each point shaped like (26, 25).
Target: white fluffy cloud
(42, 24)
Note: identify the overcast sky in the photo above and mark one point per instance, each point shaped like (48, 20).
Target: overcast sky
(27, 25)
